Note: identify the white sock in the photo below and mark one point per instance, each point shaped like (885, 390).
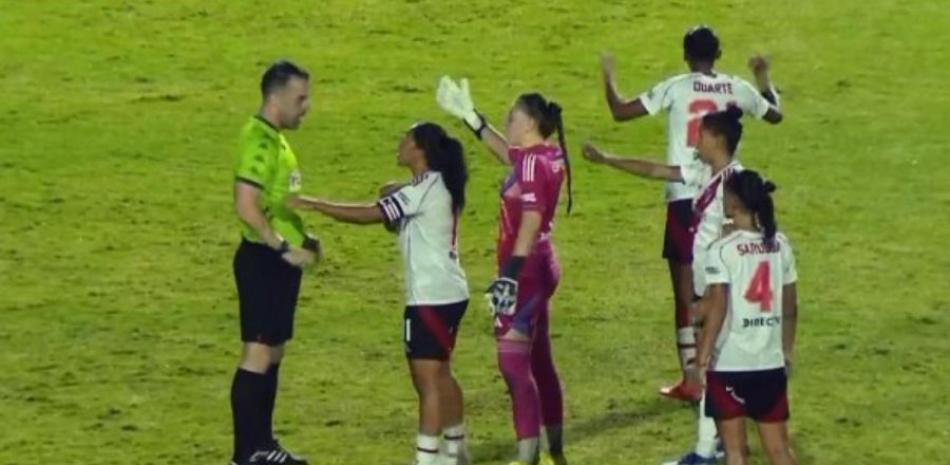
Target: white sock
(705, 432)
(686, 343)
(427, 449)
(528, 450)
(454, 437)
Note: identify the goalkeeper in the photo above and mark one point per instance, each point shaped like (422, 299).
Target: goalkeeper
(528, 271)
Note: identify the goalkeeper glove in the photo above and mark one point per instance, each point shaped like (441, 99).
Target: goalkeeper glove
(456, 100)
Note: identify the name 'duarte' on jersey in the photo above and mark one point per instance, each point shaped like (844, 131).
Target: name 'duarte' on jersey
(717, 88)
(761, 322)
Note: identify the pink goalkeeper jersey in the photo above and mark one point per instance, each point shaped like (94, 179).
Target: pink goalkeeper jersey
(534, 184)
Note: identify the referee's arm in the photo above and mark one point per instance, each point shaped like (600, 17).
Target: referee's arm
(247, 205)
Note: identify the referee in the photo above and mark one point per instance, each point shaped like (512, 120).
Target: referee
(267, 266)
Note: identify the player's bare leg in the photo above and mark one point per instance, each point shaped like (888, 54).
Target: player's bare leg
(426, 378)
(734, 440)
(774, 437)
(452, 411)
(681, 277)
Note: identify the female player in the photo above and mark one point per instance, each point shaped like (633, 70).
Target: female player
(528, 270)
(751, 319)
(686, 98)
(425, 212)
(719, 136)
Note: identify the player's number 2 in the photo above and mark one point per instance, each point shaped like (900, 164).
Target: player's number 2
(760, 289)
(697, 109)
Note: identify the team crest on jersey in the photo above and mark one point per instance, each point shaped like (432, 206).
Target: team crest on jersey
(295, 180)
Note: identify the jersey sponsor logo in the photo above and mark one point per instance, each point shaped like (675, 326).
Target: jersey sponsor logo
(712, 270)
(761, 322)
(529, 197)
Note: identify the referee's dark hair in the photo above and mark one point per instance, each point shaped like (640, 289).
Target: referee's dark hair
(278, 74)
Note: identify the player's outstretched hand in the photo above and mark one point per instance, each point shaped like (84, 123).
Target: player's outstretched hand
(607, 66)
(502, 295)
(759, 64)
(593, 154)
(299, 257)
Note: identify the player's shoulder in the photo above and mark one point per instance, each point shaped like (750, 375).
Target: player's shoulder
(784, 242)
(255, 133)
(682, 79)
(725, 241)
(737, 80)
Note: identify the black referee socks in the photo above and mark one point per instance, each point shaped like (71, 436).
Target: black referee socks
(247, 394)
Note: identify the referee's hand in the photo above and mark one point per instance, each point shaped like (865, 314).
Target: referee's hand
(299, 257)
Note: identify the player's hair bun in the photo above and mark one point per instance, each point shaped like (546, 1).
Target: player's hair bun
(769, 186)
(734, 112)
(554, 110)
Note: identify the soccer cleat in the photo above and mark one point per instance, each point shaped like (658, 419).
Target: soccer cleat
(548, 459)
(276, 456)
(693, 458)
(683, 391)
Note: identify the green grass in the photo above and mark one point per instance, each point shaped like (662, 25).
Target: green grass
(118, 331)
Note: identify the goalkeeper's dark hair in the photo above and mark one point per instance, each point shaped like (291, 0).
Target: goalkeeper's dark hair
(278, 74)
(727, 124)
(444, 154)
(547, 113)
(701, 44)
(755, 193)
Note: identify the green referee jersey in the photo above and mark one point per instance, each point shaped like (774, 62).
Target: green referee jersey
(267, 162)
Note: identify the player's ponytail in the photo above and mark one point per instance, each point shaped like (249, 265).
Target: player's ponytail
(554, 113)
(755, 193)
(444, 154)
(547, 113)
(726, 123)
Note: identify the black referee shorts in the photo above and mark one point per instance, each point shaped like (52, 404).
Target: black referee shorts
(267, 291)
(429, 331)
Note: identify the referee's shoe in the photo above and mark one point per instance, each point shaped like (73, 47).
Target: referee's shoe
(276, 455)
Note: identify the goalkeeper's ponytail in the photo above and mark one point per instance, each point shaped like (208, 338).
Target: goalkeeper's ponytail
(554, 113)
(547, 113)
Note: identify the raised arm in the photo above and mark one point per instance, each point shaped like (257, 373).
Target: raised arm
(456, 100)
(642, 168)
(760, 67)
(620, 109)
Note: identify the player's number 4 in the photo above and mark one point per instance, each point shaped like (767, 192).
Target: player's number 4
(760, 289)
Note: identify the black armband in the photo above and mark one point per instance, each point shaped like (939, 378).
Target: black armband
(513, 268)
(771, 95)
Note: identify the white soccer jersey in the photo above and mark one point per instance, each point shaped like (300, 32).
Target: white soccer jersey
(751, 335)
(428, 240)
(687, 98)
(709, 212)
